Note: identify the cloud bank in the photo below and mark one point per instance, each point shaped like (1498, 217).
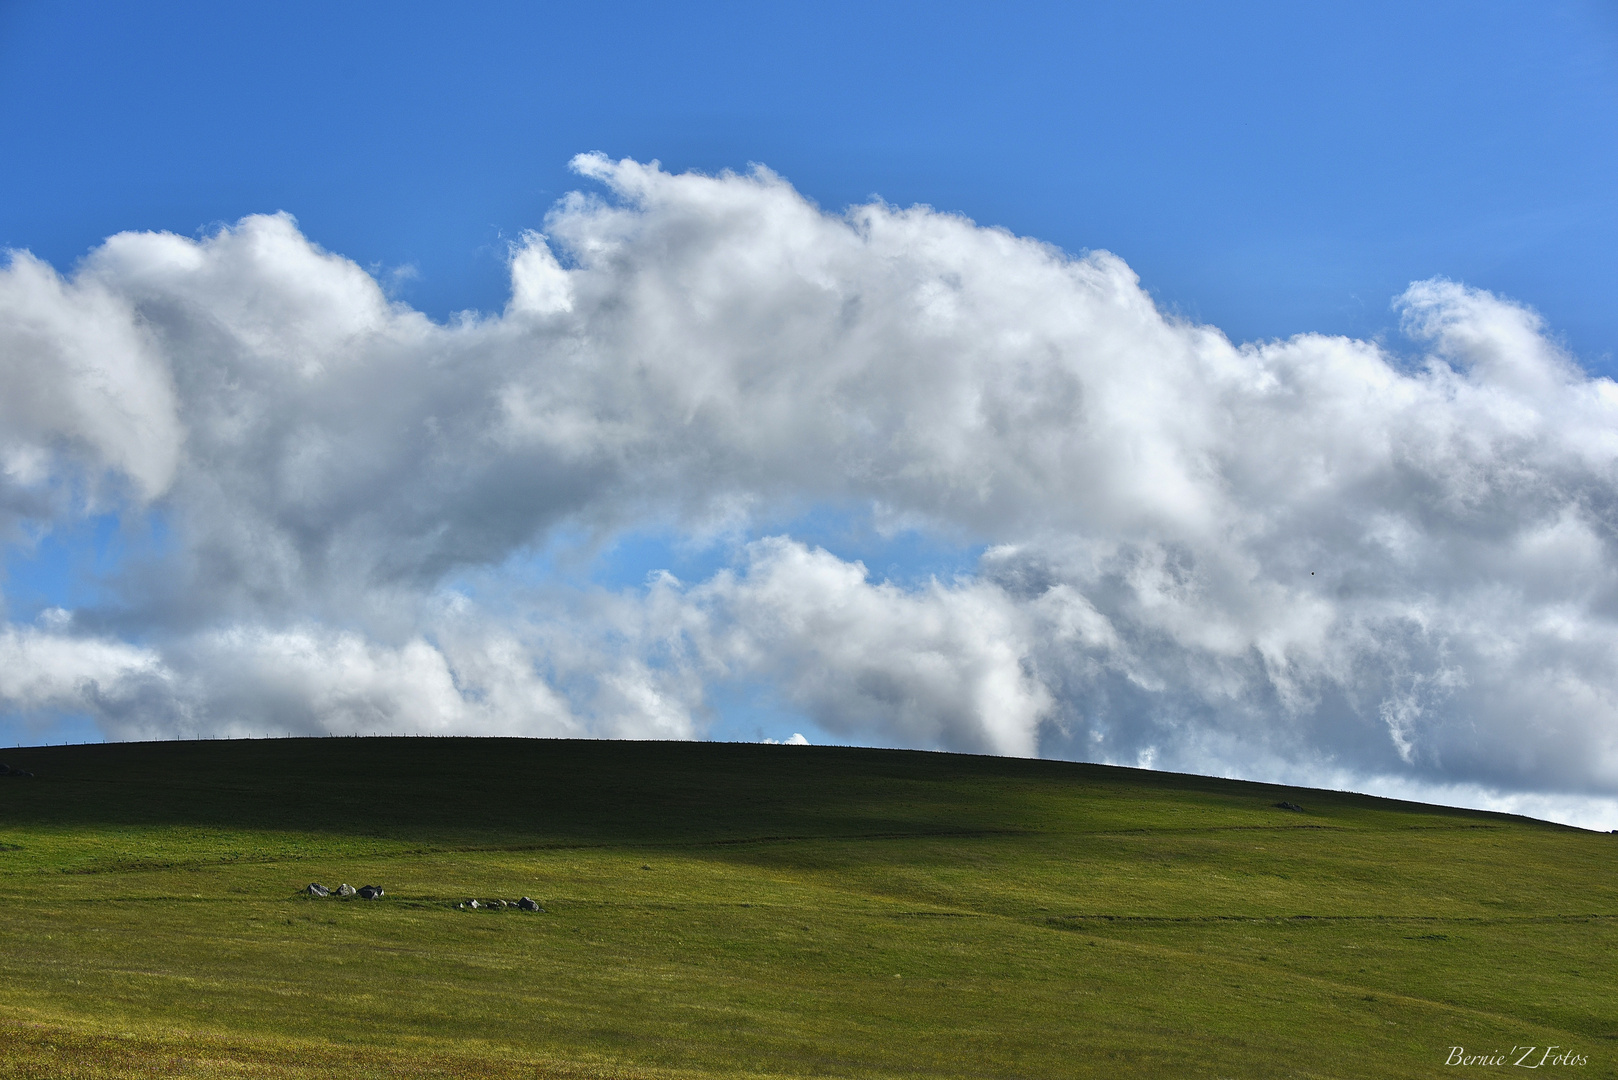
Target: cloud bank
(1314, 559)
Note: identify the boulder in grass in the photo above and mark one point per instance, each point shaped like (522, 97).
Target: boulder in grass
(473, 904)
(370, 892)
(316, 889)
(1288, 806)
(529, 905)
(345, 889)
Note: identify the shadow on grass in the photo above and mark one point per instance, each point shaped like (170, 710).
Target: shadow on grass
(518, 792)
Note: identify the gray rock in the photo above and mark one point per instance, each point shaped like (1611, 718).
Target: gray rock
(315, 889)
(528, 905)
(473, 904)
(499, 904)
(345, 889)
(370, 892)
(1288, 806)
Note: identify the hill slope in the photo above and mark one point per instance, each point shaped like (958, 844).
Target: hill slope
(721, 909)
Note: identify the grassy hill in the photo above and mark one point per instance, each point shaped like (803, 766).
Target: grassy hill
(738, 910)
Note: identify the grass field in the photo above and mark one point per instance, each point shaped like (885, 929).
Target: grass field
(738, 910)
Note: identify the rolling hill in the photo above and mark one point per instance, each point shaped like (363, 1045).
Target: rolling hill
(772, 911)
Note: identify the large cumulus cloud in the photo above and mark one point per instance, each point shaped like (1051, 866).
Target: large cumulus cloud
(1315, 559)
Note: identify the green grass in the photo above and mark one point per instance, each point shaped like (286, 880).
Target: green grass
(734, 910)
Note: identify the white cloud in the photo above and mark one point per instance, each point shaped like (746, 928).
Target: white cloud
(1308, 555)
(44, 670)
(80, 377)
(940, 667)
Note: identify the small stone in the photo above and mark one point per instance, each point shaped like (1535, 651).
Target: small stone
(473, 904)
(316, 889)
(646, 868)
(1288, 806)
(370, 892)
(345, 889)
(528, 905)
(500, 904)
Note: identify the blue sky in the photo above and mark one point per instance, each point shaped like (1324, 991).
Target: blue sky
(1267, 167)
(725, 451)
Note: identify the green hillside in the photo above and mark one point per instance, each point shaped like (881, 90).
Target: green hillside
(739, 910)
